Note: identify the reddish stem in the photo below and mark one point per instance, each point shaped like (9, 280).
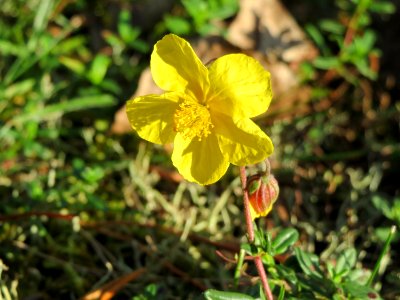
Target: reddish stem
(250, 232)
(246, 202)
(263, 277)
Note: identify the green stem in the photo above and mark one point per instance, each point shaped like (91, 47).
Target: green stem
(281, 293)
(383, 253)
(239, 266)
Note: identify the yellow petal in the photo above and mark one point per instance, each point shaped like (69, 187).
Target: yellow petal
(255, 215)
(240, 86)
(152, 116)
(175, 67)
(242, 141)
(199, 161)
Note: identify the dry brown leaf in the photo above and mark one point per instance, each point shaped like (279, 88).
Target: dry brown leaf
(109, 290)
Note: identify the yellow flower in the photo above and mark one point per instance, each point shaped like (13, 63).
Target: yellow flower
(204, 111)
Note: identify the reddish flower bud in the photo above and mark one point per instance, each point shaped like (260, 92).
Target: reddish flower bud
(263, 192)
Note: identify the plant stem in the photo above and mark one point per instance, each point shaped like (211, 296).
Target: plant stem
(267, 167)
(249, 221)
(361, 8)
(384, 251)
(239, 266)
(263, 277)
(250, 234)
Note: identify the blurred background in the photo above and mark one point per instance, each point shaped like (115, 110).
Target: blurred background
(87, 206)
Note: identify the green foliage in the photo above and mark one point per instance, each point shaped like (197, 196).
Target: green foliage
(204, 12)
(345, 47)
(391, 210)
(307, 275)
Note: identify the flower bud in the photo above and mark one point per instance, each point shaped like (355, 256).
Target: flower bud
(263, 191)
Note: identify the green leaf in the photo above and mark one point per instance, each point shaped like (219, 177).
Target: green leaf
(285, 238)
(364, 68)
(140, 46)
(268, 259)
(382, 205)
(346, 261)
(288, 274)
(332, 27)
(368, 40)
(396, 210)
(358, 291)
(198, 10)
(177, 25)
(223, 9)
(98, 68)
(19, 88)
(222, 295)
(327, 63)
(70, 45)
(317, 37)
(383, 7)
(42, 16)
(382, 233)
(308, 262)
(7, 48)
(127, 32)
(73, 64)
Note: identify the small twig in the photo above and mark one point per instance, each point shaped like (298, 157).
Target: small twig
(225, 258)
(26, 215)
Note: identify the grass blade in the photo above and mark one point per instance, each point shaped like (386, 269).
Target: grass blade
(383, 253)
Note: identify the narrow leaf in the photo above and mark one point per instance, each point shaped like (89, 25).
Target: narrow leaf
(57, 109)
(285, 238)
(222, 295)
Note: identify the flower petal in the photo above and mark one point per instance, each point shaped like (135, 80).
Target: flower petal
(199, 161)
(240, 86)
(152, 116)
(241, 140)
(175, 67)
(255, 215)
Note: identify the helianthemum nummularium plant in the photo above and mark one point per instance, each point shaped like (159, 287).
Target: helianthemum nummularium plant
(205, 111)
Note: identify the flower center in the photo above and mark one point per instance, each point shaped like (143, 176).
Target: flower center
(192, 120)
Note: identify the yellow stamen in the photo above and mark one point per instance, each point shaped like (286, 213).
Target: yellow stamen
(192, 120)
